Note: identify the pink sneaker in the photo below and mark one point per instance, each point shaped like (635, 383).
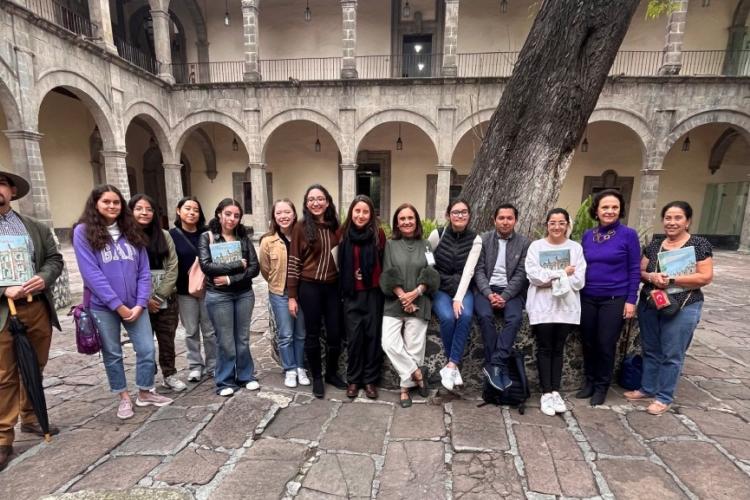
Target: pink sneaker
(125, 409)
(152, 398)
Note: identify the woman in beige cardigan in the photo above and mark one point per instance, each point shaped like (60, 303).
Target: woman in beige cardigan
(274, 256)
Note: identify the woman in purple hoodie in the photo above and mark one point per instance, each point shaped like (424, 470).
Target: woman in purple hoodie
(113, 261)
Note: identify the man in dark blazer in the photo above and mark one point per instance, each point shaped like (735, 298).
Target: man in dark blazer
(500, 287)
(38, 315)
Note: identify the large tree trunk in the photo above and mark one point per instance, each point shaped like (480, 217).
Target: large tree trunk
(544, 109)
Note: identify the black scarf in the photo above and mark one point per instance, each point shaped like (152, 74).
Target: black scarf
(368, 254)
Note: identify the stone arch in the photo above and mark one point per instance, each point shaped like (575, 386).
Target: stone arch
(198, 21)
(740, 120)
(396, 115)
(183, 129)
(468, 123)
(156, 120)
(300, 114)
(629, 119)
(89, 94)
(8, 101)
(737, 34)
(720, 148)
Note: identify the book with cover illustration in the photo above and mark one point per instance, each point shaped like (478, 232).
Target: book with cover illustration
(16, 267)
(675, 263)
(224, 253)
(554, 260)
(157, 276)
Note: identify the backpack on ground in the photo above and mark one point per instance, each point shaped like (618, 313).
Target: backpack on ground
(515, 395)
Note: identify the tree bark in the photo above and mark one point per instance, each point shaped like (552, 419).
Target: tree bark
(544, 109)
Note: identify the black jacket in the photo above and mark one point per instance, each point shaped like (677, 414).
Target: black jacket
(240, 280)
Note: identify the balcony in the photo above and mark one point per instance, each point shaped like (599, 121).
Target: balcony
(61, 16)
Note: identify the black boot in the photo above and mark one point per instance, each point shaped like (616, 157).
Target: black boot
(599, 396)
(332, 367)
(586, 390)
(318, 388)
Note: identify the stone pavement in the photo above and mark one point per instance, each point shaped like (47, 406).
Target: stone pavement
(282, 443)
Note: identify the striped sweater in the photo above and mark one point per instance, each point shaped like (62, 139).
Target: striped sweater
(311, 261)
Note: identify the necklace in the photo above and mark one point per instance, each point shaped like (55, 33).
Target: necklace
(602, 237)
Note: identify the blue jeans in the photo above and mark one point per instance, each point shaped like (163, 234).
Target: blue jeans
(665, 342)
(230, 314)
(290, 331)
(141, 336)
(454, 332)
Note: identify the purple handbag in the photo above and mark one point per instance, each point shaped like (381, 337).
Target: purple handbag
(88, 340)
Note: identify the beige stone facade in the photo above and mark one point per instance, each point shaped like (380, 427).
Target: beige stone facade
(238, 109)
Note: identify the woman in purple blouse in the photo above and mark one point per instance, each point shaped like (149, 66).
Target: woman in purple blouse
(612, 252)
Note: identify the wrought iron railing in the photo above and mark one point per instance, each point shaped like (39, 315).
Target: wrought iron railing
(399, 66)
(319, 68)
(487, 64)
(61, 15)
(136, 56)
(208, 72)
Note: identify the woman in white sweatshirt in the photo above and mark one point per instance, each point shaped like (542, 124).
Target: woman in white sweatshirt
(556, 270)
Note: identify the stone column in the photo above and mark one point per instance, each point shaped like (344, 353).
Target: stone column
(100, 16)
(672, 62)
(116, 171)
(443, 191)
(348, 185)
(745, 233)
(251, 32)
(160, 20)
(27, 162)
(450, 39)
(349, 39)
(647, 208)
(737, 34)
(172, 185)
(260, 197)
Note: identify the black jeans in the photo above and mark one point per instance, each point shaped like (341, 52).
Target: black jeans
(601, 324)
(319, 303)
(498, 344)
(550, 343)
(363, 320)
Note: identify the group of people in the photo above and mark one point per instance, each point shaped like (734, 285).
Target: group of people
(328, 280)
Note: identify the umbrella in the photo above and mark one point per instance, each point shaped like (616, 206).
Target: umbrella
(28, 366)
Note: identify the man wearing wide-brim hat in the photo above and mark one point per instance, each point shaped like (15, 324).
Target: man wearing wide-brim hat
(38, 315)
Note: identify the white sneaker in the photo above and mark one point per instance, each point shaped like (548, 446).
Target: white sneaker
(302, 377)
(172, 382)
(291, 378)
(447, 377)
(195, 375)
(253, 385)
(226, 392)
(546, 405)
(457, 380)
(558, 403)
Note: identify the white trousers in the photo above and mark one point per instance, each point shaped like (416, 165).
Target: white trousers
(404, 341)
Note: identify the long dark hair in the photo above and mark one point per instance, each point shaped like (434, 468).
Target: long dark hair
(96, 227)
(201, 225)
(215, 226)
(396, 232)
(274, 226)
(157, 243)
(373, 224)
(330, 219)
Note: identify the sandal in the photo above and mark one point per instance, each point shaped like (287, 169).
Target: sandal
(658, 408)
(422, 387)
(405, 402)
(635, 395)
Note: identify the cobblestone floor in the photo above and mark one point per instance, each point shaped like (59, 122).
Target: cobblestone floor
(284, 443)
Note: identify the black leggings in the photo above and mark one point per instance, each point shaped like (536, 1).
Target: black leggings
(601, 324)
(550, 343)
(320, 302)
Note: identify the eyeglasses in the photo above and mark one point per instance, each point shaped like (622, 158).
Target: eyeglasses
(557, 224)
(143, 209)
(459, 213)
(320, 199)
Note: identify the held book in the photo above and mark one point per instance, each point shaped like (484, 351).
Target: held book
(16, 267)
(675, 263)
(554, 260)
(226, 252)
(157, 275)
